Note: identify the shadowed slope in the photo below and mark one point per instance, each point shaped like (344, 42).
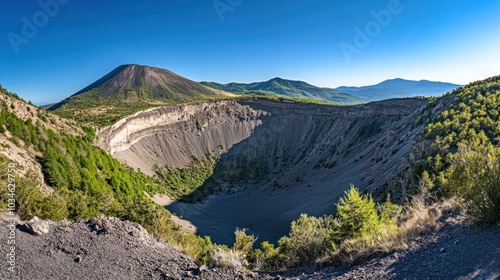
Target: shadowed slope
(278, 159)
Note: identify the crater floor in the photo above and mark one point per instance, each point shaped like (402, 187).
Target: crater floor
(278, 159)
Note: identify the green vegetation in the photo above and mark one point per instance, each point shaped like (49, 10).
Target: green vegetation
(463, 159)
(92, 108)
(86, 181)
(185, 183)
(308, 239)
(360, 229)
(11, 94)
(474, 176)
(463, 162)
(283, 98)
(356, 218)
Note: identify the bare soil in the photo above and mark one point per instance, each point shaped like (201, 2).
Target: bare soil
(104, 248)
(108, 248)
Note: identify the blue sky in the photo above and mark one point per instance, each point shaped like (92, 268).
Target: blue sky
(76, 42)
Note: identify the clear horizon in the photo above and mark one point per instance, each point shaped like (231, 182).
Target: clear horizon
(53, 48)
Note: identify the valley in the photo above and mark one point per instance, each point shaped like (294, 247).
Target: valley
(276, 160)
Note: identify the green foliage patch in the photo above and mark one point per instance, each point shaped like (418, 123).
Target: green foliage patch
(91, 108)
(86, 181)
(463, 158)
(185, 182)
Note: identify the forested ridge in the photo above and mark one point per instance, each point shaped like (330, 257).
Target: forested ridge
(464, 158)
(85, 180)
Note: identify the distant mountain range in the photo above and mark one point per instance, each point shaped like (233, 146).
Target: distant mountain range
(399, 88)
(130, 88)
(289, 88)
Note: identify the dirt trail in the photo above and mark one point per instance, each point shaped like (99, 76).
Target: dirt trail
(185, 225)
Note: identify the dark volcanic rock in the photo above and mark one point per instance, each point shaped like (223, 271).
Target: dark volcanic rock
(78, 250)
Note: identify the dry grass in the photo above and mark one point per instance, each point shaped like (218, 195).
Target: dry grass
(354, 251)
(228, 258)
(422, 216)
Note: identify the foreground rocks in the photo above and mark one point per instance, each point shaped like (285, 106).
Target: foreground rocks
(36, 226)
(107, 248)
(100, 248)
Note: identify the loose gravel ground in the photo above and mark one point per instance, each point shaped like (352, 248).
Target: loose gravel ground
(104, 248)
(107, 248)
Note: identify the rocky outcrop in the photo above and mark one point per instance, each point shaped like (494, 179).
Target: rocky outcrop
(36, 226)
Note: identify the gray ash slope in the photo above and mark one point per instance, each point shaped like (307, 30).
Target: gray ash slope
(278, 159)
(103, 248)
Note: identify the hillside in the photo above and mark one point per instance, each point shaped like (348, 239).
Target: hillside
(276, 160)
(399, 88)
(288, 88)
(453, 250)
(128, 89)
(60, 174)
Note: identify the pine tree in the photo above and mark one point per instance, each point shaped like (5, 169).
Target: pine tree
(356, 217)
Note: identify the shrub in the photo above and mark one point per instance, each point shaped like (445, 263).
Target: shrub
(306, 241)
(267, 257)
(359, 231)
(474, 176)
(244, 242)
